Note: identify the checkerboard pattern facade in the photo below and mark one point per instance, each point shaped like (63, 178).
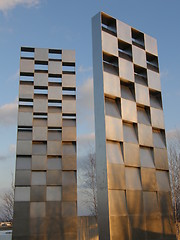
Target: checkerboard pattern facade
(132, 164)
(46, 183)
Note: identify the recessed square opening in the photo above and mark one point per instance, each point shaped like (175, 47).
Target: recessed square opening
(110, 64)
(41, 66)
(40, 116)
(152, 62)
(69, 116)
(125, 50)
(159, 138)
(109, 24)
(114, 152)
(140, 75)
(147, 157)
(67, 68)
(55, 54)
(69, 91)
(155, 99)
(138, 38)
(40, 90)
(27, 53)
(143, 113)
(54, 103)
(55, 78)
(127, 90)
(25, 102)
(113, 107)
(130, 132)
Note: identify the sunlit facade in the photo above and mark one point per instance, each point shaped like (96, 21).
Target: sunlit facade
(133, 190)
(46, 183)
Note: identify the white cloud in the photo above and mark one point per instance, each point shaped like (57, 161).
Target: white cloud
(83, 69)
(8, 114)
(6, 5)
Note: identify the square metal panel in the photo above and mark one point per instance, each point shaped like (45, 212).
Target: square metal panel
(69, 106)
(54, 147)
(40, 104)
(151, 206)
(163, 181)
(146, 157)
(111, 85)
(54, 119)
(69, 193)
(24, 147)
(114, 152)
(38, 193)
(157, 118)
(116, 177)
(54, 177)
(69, 209)
(22, 194)
(133, 180)
(69, 148)
(53, 209)
(26, 91)
(131, 154)
(37, 209)
(161, 158)
(38, 178)
(69, 178)
(154, 227)
(142, 94)
(54, 92)
(117, 203)
(23, 178)
(139, 56)
(145, 135)
(119, 227)
(124, 32)
(41, 54)
(69, 162)
(53, 193)
(41, 79)
(135, 202)
(23, 163)
(54, 163)
(27, 65)
(55, 67)
(129, 112)
(25, 118)
(109, 44)
(39, 162)
(130, 133)
(114, 129)
(68, 56)
(126, 70)
(39, 148)
(148, 178)
(69, 134)
(150, 44)
(154, 80)
(68, 80)
(39, 133)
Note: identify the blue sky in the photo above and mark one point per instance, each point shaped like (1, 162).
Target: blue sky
(67, 25)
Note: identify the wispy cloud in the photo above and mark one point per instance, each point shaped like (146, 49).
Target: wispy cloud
(6, 5)
(8, 114)
(83, 69)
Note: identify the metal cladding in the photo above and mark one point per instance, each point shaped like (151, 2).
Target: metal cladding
(133, 191)
(46, 183)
